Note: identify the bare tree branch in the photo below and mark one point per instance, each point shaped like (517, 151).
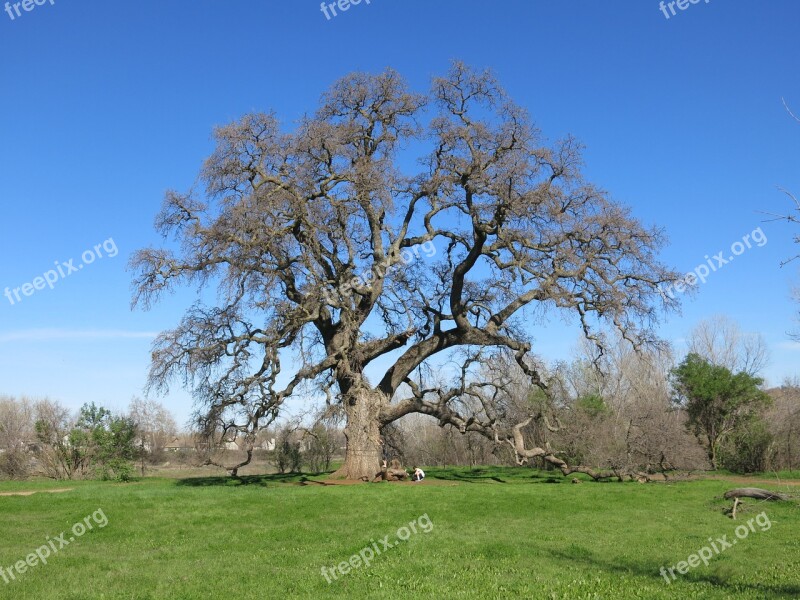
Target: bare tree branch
(323, 253)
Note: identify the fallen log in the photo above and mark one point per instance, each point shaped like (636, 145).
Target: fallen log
(393, 472)
(756, 493)
(395, 475)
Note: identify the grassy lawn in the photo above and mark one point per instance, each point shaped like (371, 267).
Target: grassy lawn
(491, 534)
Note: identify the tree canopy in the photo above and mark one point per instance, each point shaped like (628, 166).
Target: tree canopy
(390, 230)
(717, 401)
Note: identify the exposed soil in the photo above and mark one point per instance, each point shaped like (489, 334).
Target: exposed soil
(749, 480)
(31, 493)
(332, 482)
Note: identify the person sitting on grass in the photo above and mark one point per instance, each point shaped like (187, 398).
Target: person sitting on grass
(418, 475)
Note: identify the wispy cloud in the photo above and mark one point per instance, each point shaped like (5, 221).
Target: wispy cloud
(37, 335)
(792, 346)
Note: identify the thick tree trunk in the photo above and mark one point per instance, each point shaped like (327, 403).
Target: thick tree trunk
(363, 454)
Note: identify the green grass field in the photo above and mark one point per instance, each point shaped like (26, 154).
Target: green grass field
(498, 533)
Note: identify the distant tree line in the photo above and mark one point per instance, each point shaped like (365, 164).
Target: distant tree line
(626, 412)
(630, 411)
(44, 438)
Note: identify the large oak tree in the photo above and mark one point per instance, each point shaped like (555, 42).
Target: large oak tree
(307, 234)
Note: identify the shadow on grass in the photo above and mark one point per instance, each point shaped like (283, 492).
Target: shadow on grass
(484, 475)
(257, 480)
(719, 579)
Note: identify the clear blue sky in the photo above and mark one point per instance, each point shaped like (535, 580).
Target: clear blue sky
(105, 105)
